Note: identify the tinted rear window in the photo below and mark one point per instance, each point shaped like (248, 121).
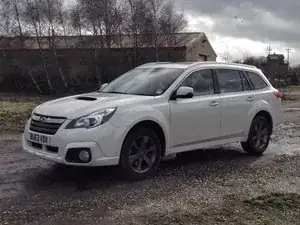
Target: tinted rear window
(246, 84)
(256, 80)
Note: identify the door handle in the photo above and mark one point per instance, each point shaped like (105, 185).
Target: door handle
(214, 103)
(250, 99)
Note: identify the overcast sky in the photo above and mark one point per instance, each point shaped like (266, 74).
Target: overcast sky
(247, 27)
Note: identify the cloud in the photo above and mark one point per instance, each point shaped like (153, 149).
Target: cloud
(264, 22)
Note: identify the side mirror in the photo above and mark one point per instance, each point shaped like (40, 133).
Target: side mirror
(185, 92)
(103, 86)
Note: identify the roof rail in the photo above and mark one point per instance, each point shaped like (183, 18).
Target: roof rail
(192, 64)
(151, 63)
(223, 63)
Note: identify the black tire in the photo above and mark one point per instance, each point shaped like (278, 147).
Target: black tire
(138, 153)
(258, 137)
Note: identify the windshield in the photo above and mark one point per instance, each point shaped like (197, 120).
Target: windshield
(144, 81)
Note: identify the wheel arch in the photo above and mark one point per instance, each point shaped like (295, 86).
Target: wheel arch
(261, 112)
(154, 126)
(259, 108)
(267, 115)
(247, 144)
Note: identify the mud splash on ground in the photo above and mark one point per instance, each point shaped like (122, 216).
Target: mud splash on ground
(197, 184)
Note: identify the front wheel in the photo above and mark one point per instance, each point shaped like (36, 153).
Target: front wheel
(258, 137)
(140, 154)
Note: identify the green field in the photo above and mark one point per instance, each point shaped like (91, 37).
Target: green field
(14, 113)
(271, 209)
(291, 93)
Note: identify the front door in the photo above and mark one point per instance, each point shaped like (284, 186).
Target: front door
(196, 120)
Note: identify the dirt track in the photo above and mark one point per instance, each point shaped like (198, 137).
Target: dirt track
(204, 186)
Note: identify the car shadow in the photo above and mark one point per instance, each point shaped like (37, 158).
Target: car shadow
(208, 162)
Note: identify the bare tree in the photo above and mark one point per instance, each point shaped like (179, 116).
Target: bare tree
(162, 22)
(86, 17)
(120, 15)
(33, 16)
(100, 18)
(62, 19)
(137, 11)
(172, 21)
(152, 27)
(12, 12)
(76, 21)
(11, 18)
(255, 61)
(49, 11)
(227, 56)
(97, 23)
(294, 73)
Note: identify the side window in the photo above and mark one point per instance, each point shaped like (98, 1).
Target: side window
(229, 80)
(201, 81)
(246, 84)
(256, 80)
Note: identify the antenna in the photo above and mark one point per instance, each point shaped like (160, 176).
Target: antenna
(288, 55)
(269, 49)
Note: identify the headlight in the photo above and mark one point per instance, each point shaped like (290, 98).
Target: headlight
(92, 120)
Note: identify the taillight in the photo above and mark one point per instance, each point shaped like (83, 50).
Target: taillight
(277, 94)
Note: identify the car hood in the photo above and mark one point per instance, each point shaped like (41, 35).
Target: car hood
(79, 105)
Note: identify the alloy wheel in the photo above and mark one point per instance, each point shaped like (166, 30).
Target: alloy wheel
(260, 135)
(142, 154)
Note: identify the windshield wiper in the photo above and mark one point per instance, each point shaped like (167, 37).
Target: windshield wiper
(117, 92)
(113, 92)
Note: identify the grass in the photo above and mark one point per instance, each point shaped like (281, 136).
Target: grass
(14, 113)
(294, 87)
(273, 209)
(291, 93)
(277, 201)
(15, 110)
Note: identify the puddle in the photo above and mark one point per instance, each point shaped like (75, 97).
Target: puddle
(10, 190)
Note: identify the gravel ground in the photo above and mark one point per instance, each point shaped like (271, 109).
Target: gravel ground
(212, 186)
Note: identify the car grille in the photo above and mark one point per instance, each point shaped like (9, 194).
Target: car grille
(46, 124)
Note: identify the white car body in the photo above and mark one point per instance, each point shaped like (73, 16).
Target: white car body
(187, 124)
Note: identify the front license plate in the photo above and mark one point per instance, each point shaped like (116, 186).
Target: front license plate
(38, 138)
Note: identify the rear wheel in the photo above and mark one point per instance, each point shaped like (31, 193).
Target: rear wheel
(258, 137)
(141, 154)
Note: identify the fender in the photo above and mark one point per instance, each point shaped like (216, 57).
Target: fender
(128, 120)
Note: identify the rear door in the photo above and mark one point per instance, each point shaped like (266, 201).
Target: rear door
(236, 100)
(264, 92)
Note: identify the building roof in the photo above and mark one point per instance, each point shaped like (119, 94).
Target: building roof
(90, 41)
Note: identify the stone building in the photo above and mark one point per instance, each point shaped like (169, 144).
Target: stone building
(275, 67)
(86, 60)
(194, 46)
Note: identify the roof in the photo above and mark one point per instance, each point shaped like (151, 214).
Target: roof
(89, 41)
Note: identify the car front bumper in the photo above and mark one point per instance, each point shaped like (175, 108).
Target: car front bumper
(104, 143)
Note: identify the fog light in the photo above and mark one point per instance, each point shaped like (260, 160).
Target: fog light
(84, 156)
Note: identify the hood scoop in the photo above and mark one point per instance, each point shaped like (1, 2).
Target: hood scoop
(86, 98)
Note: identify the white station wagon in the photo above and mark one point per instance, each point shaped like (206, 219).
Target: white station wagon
(155, 111)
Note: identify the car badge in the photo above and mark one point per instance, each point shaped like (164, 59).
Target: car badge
(43, 119)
